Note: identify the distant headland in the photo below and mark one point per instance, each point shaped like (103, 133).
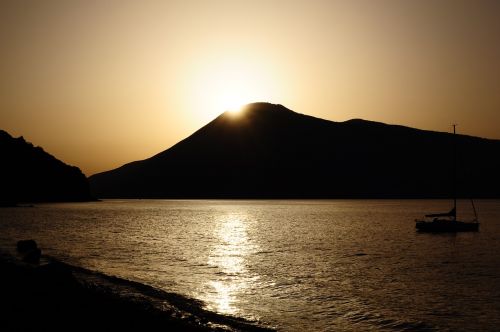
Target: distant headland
(269, 151)
(29, 174)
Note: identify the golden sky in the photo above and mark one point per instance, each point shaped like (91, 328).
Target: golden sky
(102, 83)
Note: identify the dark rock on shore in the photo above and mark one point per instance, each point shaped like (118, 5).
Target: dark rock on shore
(24, 246)
(29, 250)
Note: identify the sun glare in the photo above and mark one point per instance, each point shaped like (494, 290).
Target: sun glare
(234, 111)
(233, 87)
(228, 84)
(232, 98)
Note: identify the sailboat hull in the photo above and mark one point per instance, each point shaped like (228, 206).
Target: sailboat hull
(447, 222)
(446, 226)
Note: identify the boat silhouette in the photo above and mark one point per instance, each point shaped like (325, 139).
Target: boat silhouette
(447, 222)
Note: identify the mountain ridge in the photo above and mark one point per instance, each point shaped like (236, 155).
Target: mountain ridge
(29, 174)
(269, 151)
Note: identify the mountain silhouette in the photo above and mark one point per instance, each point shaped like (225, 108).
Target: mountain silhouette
(29, 174)
(269, 151)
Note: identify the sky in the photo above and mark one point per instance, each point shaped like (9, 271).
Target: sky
(102, 83)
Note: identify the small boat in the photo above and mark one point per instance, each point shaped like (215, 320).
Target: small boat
(447, 222)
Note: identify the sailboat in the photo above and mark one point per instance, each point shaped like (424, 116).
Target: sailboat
(447, 222)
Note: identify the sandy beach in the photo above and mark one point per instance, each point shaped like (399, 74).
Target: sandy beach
(49, 295)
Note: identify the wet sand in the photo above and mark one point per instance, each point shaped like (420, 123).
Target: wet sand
(53, 296)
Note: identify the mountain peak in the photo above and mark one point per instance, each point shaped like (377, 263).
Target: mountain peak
(259, 116)
(265, 107)
(257, 110)
(269, 151)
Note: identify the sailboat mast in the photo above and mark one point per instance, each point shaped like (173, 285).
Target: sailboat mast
(454, 173)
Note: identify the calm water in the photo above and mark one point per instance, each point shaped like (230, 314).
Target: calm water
(295, 265)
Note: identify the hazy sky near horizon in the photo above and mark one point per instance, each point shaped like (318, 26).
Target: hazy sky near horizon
(102, 83)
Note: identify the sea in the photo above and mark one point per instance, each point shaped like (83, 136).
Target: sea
(294, 265)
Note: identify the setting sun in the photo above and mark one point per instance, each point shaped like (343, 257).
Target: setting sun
(235, 110)
(232, 94)
(229, 83)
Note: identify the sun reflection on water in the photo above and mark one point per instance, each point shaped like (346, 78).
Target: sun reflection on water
(230, 256)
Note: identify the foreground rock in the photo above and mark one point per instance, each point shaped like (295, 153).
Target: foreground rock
(29, 251)
(53, 296)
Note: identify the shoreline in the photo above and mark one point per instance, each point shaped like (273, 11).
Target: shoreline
(55, 296)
